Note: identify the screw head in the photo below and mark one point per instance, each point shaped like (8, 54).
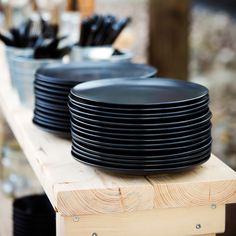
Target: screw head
(213, 206)
(75, 218)
(198, 226)
(94, 234)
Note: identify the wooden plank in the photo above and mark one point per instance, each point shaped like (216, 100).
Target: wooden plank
(168, 37)
(205, 185)
(74, 188)
(164, 222)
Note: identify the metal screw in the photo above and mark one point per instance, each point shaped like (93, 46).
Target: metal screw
(213, 206)
(94, 234)
(198, 226)
(75, 218)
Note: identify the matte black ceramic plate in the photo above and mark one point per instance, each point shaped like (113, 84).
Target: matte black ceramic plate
(76, 108)
(50, 116)
(86, 71)
(144, 147)
(52, 122)
(144, 125)
(127, 159)
(142, 152)
(52, 97)
(52, 105)
(51, 91)
(53, 85)
(31, 219)
(183, 154)
(139, 93)
(64, 132)
(134, 165)
(143, 110)
(138, 132)
(136, 143)
(56, 101)
(136, 171)
(138, 120)
(175, 135)
(52, 112)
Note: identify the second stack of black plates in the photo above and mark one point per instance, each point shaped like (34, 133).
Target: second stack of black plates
(140, 126)
(53, 83)
(33, 216)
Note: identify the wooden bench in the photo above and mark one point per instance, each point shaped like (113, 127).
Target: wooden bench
(89, 202)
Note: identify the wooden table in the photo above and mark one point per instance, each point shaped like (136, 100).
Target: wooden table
(90, 202)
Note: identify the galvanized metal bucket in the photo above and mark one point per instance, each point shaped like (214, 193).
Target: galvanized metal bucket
(13, 52)
(98, 54)
(23, 70)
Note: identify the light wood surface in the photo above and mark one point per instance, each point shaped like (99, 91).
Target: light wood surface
(164, 222)
(77, 189)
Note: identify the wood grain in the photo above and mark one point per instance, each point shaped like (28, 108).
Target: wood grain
(77, 189)
(164, 222)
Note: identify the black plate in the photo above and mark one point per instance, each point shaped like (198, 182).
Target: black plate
(46, 95)
(76, 108)
(52, 112)
(52, 122)
(139, 93)
(146, 157)
(138, 132)
(140, 120)
(51, 91)
(52, 105)
(51, 117)
(136, 143)
(141, 152)
(53, 85)
(64, 132)
(86, 71)
(145, 147)
(134, 165)
(144, 125)
(179, 135)
(48, 99)
(141, 111)
(136, 171)
(127, 159)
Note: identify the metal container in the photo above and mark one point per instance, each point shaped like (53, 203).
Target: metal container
(13, 52)
(23, 70)
(98, 54)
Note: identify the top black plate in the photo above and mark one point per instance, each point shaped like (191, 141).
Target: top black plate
(73, 73)
(133, 92)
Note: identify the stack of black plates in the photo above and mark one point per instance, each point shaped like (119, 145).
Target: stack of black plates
(53, 84)
(33, 215)
(140, 126)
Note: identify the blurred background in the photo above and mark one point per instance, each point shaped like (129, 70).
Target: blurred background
(189, 40)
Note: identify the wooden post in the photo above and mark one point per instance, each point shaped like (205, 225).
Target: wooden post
(169, 28)
(86, 7)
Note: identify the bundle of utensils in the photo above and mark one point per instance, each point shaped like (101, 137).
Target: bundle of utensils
(44, 42)
(99, 30)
